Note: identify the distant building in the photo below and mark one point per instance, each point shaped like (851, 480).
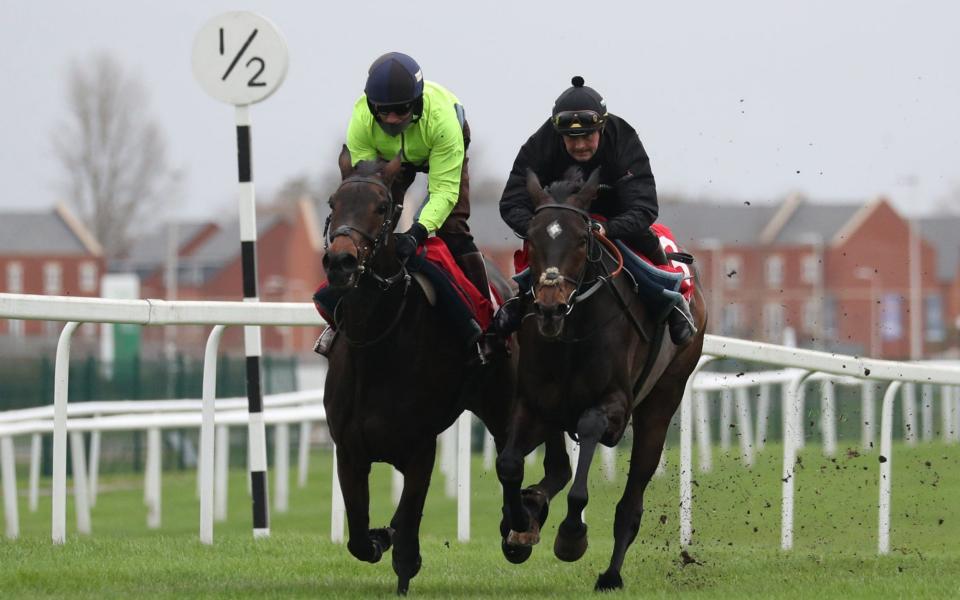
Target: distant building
(208, 267)
(49, 253)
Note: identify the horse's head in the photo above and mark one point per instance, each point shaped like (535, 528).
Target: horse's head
(560, 241)
(362, 215)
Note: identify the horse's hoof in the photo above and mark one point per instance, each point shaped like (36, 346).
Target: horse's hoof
(382, 538)
(608, 582)
(405, 572)
(571, 542)
(515, 554)
(530, 537)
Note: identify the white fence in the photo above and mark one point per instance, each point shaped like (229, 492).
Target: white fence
(803, 364)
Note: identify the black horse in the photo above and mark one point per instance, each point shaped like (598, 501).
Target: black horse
(398, 373)
(593, 357)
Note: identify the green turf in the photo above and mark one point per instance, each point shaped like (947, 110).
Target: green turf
(736, 521)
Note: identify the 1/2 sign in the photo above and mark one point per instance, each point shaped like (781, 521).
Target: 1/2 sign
(239, 58)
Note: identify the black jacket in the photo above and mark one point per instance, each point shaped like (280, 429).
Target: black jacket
(630, 205)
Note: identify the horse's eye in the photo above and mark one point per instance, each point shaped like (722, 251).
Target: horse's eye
(382, 208)
(330, 202)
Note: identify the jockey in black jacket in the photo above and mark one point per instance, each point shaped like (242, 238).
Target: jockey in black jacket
(581, 133)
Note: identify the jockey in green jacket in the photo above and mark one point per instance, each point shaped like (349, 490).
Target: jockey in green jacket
(401, 113)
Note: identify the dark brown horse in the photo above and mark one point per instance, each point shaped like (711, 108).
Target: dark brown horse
(398, 373)
(591, 359)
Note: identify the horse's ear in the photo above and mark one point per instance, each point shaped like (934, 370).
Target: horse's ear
(588, 192)
(391, 169)
(535, 189)
(345, 162)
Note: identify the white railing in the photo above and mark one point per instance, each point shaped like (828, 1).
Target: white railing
(150, 416)
(803, 364)
(806, 363)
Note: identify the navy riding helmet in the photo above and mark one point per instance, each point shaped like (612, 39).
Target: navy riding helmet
(579, 110)
(394, 84)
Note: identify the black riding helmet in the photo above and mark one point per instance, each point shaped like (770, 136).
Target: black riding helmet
(394, 84)
(579, 110)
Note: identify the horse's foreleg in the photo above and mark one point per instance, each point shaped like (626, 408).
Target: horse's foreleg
(556, 466)
(406, 519)
(571, 540)
(518, 529)
(650, 422)
(354, 476)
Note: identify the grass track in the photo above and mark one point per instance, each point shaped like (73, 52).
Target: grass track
(736, 521)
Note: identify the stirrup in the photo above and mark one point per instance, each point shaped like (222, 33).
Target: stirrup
(324, 343)
(682, 329)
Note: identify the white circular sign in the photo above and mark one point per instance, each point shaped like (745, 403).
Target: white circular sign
(240, 58)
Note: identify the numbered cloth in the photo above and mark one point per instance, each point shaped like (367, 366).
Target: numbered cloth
(458, 299)
(660, 286)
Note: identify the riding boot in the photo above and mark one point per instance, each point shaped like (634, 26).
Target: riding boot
(680, 319)
(491, 342)
(325, 342)
(509, 316)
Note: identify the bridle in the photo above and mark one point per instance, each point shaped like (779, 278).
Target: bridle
(597, 244)
(373, 245)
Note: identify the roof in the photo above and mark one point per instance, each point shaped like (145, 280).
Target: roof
(815, 220)
(699, 222)
(42, 233)
(941, 232)
(151, 249)
(224, 246)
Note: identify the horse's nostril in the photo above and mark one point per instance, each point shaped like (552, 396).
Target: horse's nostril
(349, 263)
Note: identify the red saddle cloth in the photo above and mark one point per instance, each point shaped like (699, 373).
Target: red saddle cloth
(436, 252)
(521, 259)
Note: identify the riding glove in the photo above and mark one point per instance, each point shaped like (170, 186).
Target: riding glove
(408, 241)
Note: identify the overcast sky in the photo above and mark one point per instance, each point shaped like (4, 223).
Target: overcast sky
(733, 100)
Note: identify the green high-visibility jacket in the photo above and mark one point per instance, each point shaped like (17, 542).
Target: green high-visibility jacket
(435, 141)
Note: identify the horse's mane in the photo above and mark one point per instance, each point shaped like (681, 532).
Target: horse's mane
(571, 183)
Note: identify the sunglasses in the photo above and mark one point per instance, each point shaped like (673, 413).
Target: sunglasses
(397, 109)
(572, 120)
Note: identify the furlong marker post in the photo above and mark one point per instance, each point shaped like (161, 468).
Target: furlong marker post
(241, 58)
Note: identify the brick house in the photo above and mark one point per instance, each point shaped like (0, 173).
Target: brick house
(944, 332)
(48, 253)
(289, 248)
(837, 274)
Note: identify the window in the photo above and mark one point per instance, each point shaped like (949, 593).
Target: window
(830, 330)
(51, 329)
(891, 317)
(811, 315)
(810, 269)
(15, 278)
(732, 319)
(732, 271)
(15, 328)
(88, 276)
(773, 271)
(52, 278)
(773, 321)
(933, 316)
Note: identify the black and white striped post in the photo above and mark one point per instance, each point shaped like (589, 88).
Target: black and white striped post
(241, 58)
(256, 434)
